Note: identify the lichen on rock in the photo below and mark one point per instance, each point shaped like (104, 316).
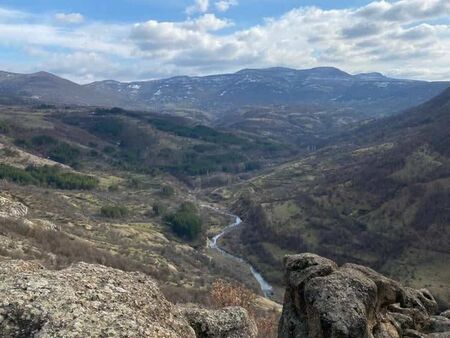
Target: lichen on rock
(230, 322)
(323, 300)
(88, 300)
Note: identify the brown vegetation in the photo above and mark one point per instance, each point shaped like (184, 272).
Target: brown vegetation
(224, 294)
(65, 248)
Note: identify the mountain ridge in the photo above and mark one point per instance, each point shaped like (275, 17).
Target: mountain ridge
(369, 93)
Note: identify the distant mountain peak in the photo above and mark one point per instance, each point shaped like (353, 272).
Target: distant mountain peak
(44, 74)
(327, 70)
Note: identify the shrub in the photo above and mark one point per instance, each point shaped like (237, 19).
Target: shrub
(223, 294)
(167, 191)
(64, 153)
(111, 127)
(93, 153)
(109, 150)
(253, 165)
(112, 211)
(185, 223)
(20, 142)
(56, 178)
(16, 175)
(188, 207)
(47, 176)
(43, 140)
(134, 183)
(4, 127)
(105, 111)
(113, 188)
(159, 209)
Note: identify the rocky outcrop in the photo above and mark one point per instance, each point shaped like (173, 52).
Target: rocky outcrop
(95, 301)
(231, 322)
(323, 300)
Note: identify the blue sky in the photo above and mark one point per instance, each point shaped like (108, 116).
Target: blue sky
(248, 12)
(88, 40)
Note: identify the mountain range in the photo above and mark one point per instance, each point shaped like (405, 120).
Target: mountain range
(369, 93)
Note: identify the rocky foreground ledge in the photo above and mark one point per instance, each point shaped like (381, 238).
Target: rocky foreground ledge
(95, 301)
(323, 300)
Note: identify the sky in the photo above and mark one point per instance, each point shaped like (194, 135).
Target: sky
(87, 40)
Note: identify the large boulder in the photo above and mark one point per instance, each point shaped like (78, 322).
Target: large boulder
(230, 322)
(87, 300)
(323, 300)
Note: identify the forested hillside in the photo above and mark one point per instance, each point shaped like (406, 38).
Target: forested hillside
(377, 196)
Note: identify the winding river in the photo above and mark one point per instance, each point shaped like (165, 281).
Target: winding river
(265, 287)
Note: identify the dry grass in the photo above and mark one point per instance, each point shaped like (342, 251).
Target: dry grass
(67, 248)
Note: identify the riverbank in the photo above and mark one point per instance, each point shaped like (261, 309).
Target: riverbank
(212, 243)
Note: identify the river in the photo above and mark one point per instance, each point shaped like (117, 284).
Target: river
(265, 287)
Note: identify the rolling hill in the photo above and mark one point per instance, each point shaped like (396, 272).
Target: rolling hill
(43, 87)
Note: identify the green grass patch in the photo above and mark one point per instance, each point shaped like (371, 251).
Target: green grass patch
(47, 176)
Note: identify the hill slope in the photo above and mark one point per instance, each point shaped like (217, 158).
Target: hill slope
(43, 87)
(378, 196)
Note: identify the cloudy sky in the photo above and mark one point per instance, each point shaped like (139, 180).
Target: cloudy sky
(88, 40)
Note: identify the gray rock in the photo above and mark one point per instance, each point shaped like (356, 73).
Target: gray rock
(231, 322)
(446, 314)
(88, 300)
(299, 270)
(409, 333)
(438, 324)
(341, 304)
(439, 335)
(324, 301)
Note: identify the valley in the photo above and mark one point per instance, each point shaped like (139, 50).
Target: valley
(192, 194)
(376, 196)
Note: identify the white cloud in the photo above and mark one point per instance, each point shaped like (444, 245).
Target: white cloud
(405, 10)
(225, 5)
(6, 14)
(108, 39)
(206, 22)
(80, 66)
(69, 18)
(395, 38)
(199, 6)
